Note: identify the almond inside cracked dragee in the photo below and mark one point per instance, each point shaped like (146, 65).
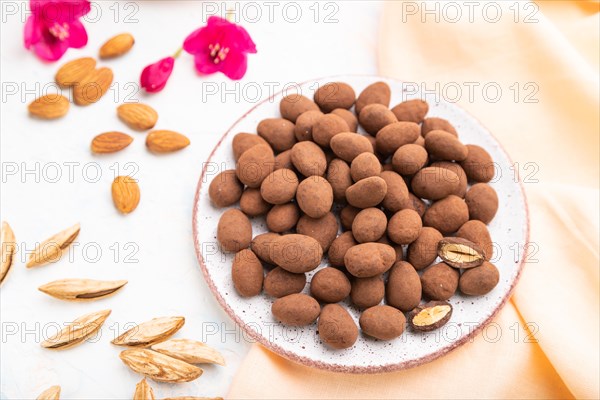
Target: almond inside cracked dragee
(430, 316)
(460, 253)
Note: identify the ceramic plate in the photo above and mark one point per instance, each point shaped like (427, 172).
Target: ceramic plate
(509, 231)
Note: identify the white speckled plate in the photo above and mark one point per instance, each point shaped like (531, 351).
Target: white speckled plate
(509, 231)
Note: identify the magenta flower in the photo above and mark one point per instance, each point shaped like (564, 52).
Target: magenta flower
(155, 76)
(54, 26)
(220, 46)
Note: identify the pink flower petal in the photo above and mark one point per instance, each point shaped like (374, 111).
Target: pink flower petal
(54, 26)
(50, 50)
(217, 22)
(197, 41)
(32, 32)
(77, 35)
(244, 40)
(221, 41)
(235, 65)
(155, 76)
(59, 10)
(205, 64)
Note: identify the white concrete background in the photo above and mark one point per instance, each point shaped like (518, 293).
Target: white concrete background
(50, 180)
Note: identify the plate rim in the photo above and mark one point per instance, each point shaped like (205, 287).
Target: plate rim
(307, 361)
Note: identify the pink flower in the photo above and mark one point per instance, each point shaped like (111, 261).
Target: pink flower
(220, 46)
(154, 77)
(54, 26)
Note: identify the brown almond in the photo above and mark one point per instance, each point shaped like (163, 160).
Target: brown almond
(430, 316)
(304, 124)
(143, 391)
(297, 309)
(382, 322)
(330, 285)
(280, 283)
(460, 253)
(110, 142)
(439, 282)
(364, 166)
(411, 110)
(369, 259)
(476, 231)
(74, 71)
(327, 127)
(347, 116)
(423, 251)
(367, 192)
(244, 141)
(334, 95)
(190, 351)
(367, 292)
(296, 253)
(395, 135)
(348, 145)
(461, 190)
(443, 145)
(81, 289)
(378, 92)
(125, 194)
(8, 247)
(403, 288)
(247, 273)
(77, 331)
(479, 280)
(166, 141)
(409, 159)
(51, 249)
(404, 227)
(278, 132)
(434, 183)
(340, 179)
(255, 164)
(117, 46)
(251, 202)
(374, 117)
(138, 116)
(446, 215)
(479, 165)
(50, 106)
(52, 393)
(262, 246)
(323, 229)
(150, 332)
(234, 231)
(336, 327)
(159, 367)
(436, 123)
(91, 88)
(225, 189)
(314, 196)
(397, 192)
(309, 159)
(294, 105)
(482, 201)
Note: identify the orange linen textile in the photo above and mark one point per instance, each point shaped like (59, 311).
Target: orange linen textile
(556, 52)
